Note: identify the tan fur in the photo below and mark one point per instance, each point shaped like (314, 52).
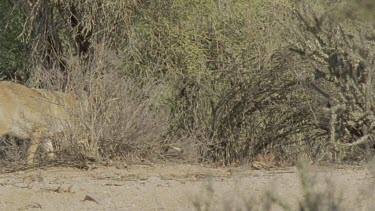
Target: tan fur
(34, 114)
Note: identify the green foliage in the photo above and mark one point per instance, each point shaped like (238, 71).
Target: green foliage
(13, 52)
(236, 75)
(216, 59)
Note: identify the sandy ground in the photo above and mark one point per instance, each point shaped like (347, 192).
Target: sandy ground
(172, 187)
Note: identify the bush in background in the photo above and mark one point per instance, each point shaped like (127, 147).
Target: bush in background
(229, 79)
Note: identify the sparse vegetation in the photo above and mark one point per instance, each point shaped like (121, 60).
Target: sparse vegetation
(229, 79)
(317, 194)
(270, 82)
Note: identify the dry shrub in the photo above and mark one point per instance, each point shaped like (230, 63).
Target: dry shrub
(232, 85)
(336, 51)
(12, 150)
(230, 88)
(116, 117)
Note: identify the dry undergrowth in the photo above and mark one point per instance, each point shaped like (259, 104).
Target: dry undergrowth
(118, 119)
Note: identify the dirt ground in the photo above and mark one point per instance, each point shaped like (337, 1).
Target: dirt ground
(172, 187)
